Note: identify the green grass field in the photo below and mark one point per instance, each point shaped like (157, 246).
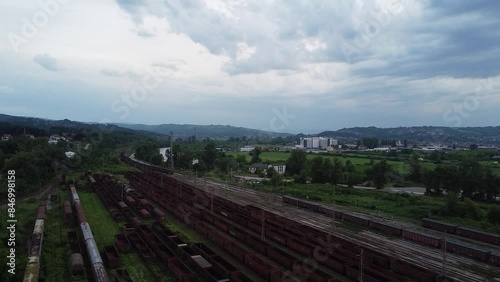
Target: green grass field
(494, 165)
(25, 215)
(361, 163)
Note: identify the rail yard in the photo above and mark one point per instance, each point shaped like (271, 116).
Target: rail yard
(249, 235)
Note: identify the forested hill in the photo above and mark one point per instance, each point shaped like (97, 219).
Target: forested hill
(483, 135)
(15, 125)
(42, 127)
(202, 131)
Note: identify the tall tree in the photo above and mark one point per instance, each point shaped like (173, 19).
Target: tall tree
(379, 173)
(471, 174)
(296, 162)
(147, 150)
(209, 155)
(318, 173)
(255, 153)
(415, 173)
(370, 142)
(336, 173)
(271, 172)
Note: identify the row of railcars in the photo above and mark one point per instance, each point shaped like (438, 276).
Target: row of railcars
(98, 270)
(223, 222)
(142, 165)
(414, 234)
(156, 244)
(461, 231)
(32, 271)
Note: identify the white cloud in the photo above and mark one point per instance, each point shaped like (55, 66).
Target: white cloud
(225, 8)
(111, 72)
(244, 52)
(313, 44)
(47, 61)
(6, 90)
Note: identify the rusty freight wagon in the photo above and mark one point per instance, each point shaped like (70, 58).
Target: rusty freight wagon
(421, 237)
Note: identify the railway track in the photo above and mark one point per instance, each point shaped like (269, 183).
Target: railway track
(420, 255)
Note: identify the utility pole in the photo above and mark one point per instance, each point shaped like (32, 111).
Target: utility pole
(430, 209)
(334, 204)
(212, 200)
(263, 234)
(361, 266)
(334, 195)
(444, 254)
(225, 187)
(171, 150)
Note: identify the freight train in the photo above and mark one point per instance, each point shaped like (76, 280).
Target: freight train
(32, 271)
(461, 231)
(412, 234)
(142, 165)
(97, 266)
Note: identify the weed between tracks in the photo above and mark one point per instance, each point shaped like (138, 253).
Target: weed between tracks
(179, 228)
(55, 252)
(104, 229)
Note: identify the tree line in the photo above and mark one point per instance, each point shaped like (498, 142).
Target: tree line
(467, 178)
(32, 160)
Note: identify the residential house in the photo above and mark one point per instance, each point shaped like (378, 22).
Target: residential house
(54, 139)
(247, 148)
(6, 137)
(278, 167)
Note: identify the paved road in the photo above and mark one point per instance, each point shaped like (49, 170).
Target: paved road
(419, 191)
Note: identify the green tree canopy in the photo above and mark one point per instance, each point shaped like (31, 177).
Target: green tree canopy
(296, 163)
(379, 173)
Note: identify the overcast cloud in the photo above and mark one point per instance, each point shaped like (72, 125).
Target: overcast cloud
(47, 62)
(330, 64)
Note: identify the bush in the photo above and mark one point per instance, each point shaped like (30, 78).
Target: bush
(472, 210)
(493, 215)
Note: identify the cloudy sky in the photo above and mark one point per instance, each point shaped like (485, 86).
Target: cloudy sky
(281, 65)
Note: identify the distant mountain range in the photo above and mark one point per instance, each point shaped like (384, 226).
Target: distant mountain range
(39, 126)
(202, 131)
(479, 135)
(489, 135)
